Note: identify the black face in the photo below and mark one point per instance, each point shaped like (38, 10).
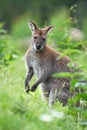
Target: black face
(39, 42)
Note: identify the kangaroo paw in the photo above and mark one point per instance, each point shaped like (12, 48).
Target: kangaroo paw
(33, 88)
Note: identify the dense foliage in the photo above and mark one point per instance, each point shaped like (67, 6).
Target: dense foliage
(7, 52)
(41, 10)
(21, 111)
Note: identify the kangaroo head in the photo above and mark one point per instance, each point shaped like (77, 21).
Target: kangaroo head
(39, 36)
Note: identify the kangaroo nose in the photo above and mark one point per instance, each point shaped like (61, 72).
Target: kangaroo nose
(38, 46)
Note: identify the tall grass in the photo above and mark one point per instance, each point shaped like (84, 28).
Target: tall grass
(22, 111)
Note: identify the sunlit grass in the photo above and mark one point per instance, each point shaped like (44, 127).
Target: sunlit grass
(22, 111)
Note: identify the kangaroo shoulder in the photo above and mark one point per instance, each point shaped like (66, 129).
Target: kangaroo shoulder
(57, 54)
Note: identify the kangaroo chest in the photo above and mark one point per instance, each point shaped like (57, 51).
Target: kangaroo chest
(41, 65)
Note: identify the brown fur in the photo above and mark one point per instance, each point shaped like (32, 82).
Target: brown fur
(44, 61)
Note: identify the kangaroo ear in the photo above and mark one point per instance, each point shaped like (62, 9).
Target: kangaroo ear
(49, 28)
(32, 25)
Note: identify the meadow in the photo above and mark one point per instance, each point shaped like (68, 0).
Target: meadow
(22, 111)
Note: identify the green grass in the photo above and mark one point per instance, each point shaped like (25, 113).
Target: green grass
(21, 111)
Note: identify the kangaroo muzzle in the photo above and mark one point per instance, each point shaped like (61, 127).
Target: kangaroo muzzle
(38, 46)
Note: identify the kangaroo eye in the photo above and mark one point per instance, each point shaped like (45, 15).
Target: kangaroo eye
(35, 37)
(44, 39)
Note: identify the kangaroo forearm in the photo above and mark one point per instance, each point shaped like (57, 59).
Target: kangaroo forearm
(28, 78)
(42, 79)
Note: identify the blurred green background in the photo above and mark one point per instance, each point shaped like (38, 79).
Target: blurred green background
(63, 14)
(21, 111)
(41, 11)
(12, 12)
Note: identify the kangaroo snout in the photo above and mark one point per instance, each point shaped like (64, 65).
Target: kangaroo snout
(38, 46)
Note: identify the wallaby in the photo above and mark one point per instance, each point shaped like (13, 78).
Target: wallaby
(44, 61)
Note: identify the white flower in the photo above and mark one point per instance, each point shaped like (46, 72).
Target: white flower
(46, 118)
(57, 114)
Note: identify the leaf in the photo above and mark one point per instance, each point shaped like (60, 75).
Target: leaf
(72, 51)
(63, 75)
(83, 96)
(66, 75)
(81, 85)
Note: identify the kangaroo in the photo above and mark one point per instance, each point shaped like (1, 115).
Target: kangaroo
(44, 61)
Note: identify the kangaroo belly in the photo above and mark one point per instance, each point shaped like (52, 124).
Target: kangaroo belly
(57, 89)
